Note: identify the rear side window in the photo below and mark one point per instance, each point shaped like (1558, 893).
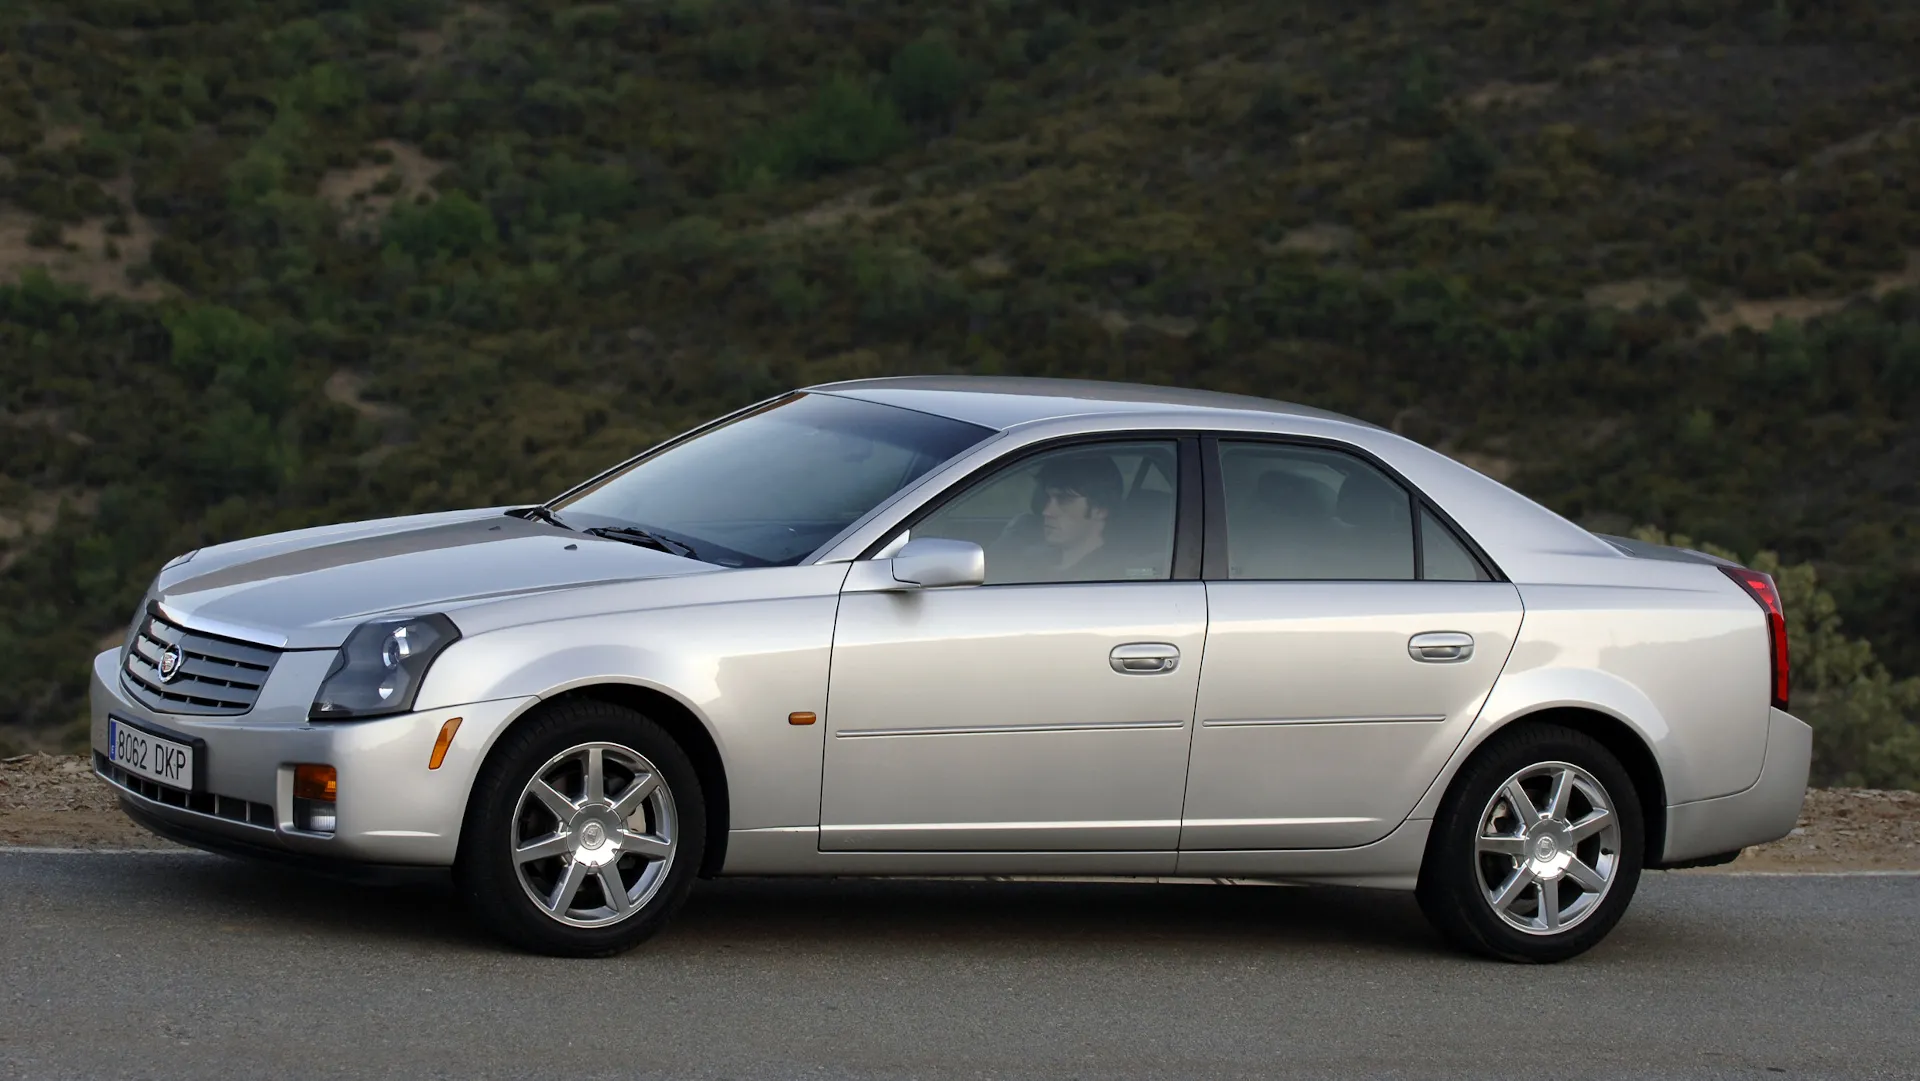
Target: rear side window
(1443, 557)
(1309, 513)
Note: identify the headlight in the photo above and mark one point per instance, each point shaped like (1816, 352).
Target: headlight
(380, 668)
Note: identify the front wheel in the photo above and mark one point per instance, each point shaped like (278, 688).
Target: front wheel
(584, 832)
(1537, 847)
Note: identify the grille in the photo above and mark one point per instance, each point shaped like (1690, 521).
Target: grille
(217, 676)
(242, 811)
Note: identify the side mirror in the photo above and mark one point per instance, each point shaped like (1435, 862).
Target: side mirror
(935, 561)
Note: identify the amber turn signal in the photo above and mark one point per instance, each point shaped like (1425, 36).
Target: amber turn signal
(315, 782)
(440, 745)
(801, 718)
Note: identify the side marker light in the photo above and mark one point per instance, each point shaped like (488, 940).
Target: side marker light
(441, 744)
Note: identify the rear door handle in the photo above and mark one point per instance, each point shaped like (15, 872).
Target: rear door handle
(1440, 647)
(1144, 658)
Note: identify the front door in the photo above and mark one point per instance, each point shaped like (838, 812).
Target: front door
(1347, 653)
(1049, 709)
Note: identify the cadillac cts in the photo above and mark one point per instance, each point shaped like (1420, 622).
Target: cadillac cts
(962, 626)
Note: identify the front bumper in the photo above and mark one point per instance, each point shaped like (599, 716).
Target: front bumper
(391, 809)
(1765, 811)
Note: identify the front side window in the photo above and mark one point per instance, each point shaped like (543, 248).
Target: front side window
(1307, 513)
(1101, 512)
(771, 486)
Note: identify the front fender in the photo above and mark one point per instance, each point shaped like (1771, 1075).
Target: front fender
(740, 668)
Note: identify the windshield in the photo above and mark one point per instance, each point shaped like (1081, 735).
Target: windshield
(769, 487)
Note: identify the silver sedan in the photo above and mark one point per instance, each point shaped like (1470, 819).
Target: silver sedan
(949, 626)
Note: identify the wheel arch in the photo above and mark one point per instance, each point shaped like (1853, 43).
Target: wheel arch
(1620, 739)
(683, 724)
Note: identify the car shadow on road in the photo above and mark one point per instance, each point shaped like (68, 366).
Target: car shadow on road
(847, 914)
(883, 914)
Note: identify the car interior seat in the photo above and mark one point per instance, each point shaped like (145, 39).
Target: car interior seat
(1376, 522)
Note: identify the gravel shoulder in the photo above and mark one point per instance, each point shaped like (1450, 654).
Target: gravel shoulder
(56, 801)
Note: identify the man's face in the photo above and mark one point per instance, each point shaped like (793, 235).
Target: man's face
(1068, 520)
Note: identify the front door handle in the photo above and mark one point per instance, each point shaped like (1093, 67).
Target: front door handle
(1440, 647)
(1144, 658)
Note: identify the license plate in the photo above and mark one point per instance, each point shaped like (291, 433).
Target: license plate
(141, 752)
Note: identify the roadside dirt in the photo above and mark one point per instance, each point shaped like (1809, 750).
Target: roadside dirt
(56, 801)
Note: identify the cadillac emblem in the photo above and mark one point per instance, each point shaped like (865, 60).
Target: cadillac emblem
(170, 659)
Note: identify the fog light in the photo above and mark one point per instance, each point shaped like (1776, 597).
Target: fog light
(316, 787)
(313, 816)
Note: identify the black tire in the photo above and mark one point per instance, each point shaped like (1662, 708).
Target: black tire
(1450, 890)
(485, 870)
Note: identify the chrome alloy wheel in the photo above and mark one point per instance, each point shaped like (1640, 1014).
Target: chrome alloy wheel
(1547, 849)
(594, 834)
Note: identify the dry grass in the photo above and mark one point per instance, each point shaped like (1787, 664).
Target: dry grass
(1320, 238)
(87, 256)
(1505, 95)
(855, 206)
(1630, 295)
(1728, 315)
(407, 176)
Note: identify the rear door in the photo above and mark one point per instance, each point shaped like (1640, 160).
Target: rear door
(1352, 637)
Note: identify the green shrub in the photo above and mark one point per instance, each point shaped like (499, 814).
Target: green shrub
(1056, 33)
(453, 225)
(591, 191)
(325, 88)
(217, 347)
(257, 175)
(844, 126)
(1459, 168)
(734, 52)
(926, 79)
(1276, 107)
(792, 293)
(588, 20)
(234, 450)
(900, 289)
(1417, 97)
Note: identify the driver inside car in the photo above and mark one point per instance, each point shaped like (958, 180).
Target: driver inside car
(1078, 496)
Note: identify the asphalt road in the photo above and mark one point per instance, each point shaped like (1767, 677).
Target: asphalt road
(181, 966)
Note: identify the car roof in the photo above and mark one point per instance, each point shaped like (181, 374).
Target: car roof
(1001, 402)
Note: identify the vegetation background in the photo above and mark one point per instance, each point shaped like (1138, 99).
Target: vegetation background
(272, 263)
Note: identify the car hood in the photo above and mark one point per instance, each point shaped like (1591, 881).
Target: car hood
(309, 589)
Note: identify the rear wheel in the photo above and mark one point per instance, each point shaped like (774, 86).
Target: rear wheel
(584, 832)
(1537, 848)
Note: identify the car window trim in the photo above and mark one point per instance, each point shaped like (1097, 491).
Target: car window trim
(1214, 516)
(1189, 505)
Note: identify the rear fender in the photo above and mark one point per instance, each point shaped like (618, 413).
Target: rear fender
(1518, 695)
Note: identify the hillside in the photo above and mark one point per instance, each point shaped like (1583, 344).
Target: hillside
(282, 262)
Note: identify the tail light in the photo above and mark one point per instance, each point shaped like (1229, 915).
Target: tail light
(1761, 588)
